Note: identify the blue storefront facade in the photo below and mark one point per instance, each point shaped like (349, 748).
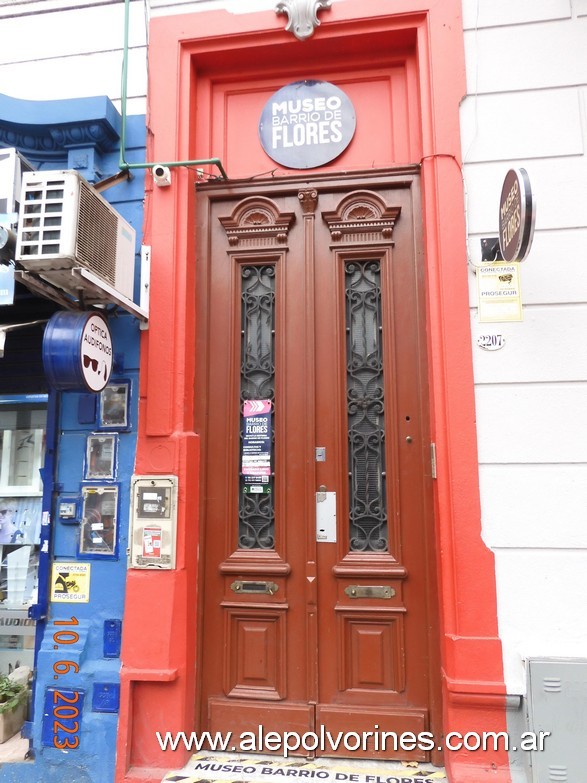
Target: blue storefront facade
(88, 445)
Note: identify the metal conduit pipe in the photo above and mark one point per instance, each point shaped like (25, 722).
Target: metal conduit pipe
(123, 165)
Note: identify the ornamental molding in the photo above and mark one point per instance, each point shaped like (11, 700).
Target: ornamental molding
(302, 15)
(361, 217)
(52, 141)
(257, 222)
(45, 130)
(308, 200)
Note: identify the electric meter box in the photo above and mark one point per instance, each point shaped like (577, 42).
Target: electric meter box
(153, 522)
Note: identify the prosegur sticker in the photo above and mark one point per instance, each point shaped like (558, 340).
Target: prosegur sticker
(500, 298)
(70, 583)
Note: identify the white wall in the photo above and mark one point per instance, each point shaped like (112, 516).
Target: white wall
(527, 106)
(54, 49)
(167, 7)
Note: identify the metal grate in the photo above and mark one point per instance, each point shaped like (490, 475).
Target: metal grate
(256, 511)
(97, 235)
(43, 218)
(365, 407)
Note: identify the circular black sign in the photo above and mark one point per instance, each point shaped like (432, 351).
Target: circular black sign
(517, 211)
(307, 124)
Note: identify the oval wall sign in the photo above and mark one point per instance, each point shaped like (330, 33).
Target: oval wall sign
(307, 124)
(77, 351)
(517, 212)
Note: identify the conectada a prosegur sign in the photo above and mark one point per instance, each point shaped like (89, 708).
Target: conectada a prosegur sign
(498, 287)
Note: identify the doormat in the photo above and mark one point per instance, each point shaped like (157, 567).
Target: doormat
(216, 768)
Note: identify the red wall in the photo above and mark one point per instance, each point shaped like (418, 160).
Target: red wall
(402, 64)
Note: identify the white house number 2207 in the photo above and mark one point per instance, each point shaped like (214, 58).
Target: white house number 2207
(491, 342)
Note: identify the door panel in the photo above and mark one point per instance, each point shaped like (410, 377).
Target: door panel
(310, 297)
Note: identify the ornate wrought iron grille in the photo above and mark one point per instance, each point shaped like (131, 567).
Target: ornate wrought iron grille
(256, 511)
(365, 407)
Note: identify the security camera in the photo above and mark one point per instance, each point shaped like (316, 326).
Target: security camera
(161, 176)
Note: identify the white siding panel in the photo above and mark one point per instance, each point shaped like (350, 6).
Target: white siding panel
(74, 77)
(534, 506)
(526, 67)
(556, 268)
(583, 107)
(559, 186)
(504, 12)
(30, 7)
(534, 422)
(541, 607)
(163, 7)
(546, 123)
(136, 105)
(554, 272)
(168, 7)
(527, 57)
(550, 344)
(85, 30)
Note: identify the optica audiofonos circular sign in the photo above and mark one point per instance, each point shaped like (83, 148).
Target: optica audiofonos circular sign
(77, 351)
(307, 124)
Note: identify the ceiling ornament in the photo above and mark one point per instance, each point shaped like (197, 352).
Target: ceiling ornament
(302, 15)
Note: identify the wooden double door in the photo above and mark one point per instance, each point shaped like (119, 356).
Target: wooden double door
(318, 606)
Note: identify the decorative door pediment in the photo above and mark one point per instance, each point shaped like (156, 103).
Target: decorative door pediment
(257, 222)
(362, 217)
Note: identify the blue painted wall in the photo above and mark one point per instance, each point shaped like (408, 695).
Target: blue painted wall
(93, 671)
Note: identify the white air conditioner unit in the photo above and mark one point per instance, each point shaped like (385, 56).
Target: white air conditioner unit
(12, 167)
(64, 225)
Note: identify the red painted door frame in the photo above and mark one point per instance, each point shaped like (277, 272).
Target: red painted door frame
(158, 680)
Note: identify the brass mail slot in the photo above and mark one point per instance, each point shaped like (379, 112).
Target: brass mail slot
(262, 588)
(369, 591)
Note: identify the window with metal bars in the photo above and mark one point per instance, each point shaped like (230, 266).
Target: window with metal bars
(365, 407)
(256, 510)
